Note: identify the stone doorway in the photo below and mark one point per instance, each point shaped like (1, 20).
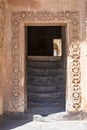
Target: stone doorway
(46, 69)
(69, 19)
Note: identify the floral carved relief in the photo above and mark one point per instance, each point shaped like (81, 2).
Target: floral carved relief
(72, 17)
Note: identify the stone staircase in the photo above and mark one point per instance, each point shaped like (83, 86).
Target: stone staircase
(46, 86)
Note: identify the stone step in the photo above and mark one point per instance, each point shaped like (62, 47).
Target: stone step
(44, 64)
(45, 72)
(44, 110)
(46, 100)
(45, 84)
(48, 83)
(53, 79)
(41, 104)
(35, 88)
(51, 95)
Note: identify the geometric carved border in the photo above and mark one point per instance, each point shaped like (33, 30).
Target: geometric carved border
(43, 16)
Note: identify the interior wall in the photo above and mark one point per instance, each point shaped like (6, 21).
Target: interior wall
(39, 5)
(40, 39)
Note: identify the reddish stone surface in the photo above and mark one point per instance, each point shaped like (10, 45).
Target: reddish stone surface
(51, 12)
(33, 4)
(45, 4)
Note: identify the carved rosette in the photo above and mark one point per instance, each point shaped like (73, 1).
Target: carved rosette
(16, 64)
(76, 72)
(46, 17)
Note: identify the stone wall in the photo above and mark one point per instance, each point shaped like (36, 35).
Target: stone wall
(30, 12)
(2, 19)
(84, 58)
(45, 5)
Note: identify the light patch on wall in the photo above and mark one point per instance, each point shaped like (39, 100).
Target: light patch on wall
(57, 47)
(33, 4)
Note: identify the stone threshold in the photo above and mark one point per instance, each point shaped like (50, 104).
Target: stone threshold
(44, 58)
(60, 116)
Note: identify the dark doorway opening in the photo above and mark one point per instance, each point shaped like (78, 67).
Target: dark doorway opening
(40, 39)
(46, 79)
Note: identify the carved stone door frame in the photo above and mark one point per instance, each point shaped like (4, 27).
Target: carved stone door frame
(71, 20)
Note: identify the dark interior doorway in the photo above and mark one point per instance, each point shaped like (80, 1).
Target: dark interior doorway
(40, 39)
(46, 79)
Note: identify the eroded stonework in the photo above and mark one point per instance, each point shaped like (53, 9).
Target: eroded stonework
(86, 17)
(1, 30)
(69, 17)
(1, 27)
(2, 14)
